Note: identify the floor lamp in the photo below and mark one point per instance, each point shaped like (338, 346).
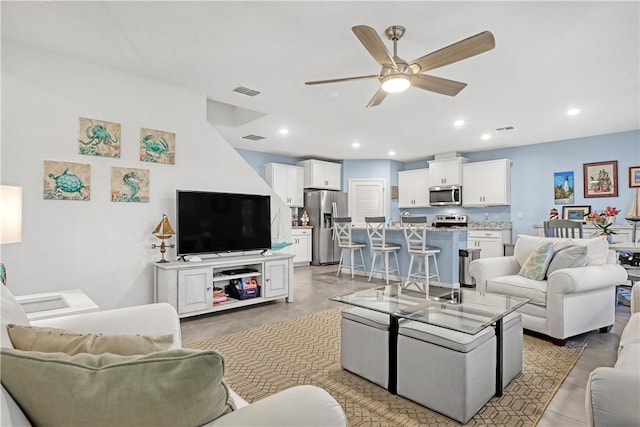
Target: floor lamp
(10, 220)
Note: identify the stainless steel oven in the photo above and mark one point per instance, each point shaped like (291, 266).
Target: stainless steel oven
(445, 195)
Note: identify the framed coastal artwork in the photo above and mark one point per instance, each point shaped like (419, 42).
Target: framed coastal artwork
(157, 146)
(98, 138)
(575, 213)
(563, 188)
(129, 185)
(601, 179)
(634, 177)
(66, 181)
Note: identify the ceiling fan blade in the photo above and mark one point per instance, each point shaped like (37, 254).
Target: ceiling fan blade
(372, 42)
(377, 98)
(463, 49)
(344, 79)
(437, 84)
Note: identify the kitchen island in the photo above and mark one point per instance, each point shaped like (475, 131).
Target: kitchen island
(449, 240)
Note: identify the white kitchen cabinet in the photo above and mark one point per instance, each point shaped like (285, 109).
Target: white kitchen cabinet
(287, 181)
(446, 171)
(490, 242)
(322, 175)
(486, 183)
(413, 188)
(300, 247)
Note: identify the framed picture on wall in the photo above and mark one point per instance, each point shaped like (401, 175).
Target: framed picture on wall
(634, 176)
(601, 179)
(575, 213)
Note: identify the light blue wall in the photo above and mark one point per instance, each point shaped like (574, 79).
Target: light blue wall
(532, 172)
(374, 169)
(533, 167)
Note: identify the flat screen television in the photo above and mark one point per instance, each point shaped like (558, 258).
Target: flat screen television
(210, 222)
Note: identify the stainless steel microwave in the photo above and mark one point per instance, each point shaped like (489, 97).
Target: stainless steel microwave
(445, 195)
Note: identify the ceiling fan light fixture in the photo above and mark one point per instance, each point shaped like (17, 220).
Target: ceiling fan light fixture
(395, 83)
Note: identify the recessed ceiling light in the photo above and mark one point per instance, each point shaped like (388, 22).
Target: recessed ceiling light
(573, 111)
(392, 153)
(356, 145)
(284, 131)
(486, 137)
(458, 123)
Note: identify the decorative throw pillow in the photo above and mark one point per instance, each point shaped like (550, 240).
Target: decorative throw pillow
(569, 256)
(536, 264)
(52, 340)
(179, 387)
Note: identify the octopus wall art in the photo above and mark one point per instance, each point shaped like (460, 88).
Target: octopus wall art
(98, 138)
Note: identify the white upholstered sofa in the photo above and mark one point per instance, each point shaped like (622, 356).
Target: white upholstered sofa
(297, 406)
(613, 392)
(569, 301)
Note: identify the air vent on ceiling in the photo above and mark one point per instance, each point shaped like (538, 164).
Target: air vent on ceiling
(253, 137)
(506, 128)
(246, 91)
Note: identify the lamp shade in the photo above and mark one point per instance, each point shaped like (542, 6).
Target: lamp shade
(10, 214)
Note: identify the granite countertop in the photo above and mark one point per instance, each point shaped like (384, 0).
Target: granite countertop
(490, 225)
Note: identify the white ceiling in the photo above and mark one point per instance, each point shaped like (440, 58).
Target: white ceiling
(549, 56)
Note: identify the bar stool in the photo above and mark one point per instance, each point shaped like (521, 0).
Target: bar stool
(376, 228)
(343, 233)
(415, 234)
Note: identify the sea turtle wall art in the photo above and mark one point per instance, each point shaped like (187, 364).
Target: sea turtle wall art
(129, 185)
(66, 181)
(98, 138)
(157, 146)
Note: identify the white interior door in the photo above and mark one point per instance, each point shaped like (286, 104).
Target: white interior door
(366, 198)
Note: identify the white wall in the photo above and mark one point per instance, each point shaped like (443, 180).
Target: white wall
(100, 246)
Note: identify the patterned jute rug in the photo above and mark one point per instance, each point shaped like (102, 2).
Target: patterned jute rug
(306, 350)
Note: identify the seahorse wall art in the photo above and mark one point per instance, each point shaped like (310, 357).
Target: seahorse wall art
(66, 181)
(129, 185)
(98, 138)
(157, 146)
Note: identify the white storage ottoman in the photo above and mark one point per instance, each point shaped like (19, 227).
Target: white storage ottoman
(512, 347)
(364, 344)
(448, 371)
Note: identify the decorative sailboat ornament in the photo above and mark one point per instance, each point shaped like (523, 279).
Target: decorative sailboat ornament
(163, 231)
(634, 214)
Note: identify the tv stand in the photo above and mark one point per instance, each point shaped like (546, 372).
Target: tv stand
(189, 286)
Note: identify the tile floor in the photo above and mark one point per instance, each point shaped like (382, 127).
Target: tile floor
(313, 287)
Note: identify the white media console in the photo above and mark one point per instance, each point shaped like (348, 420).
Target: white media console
(188, 286)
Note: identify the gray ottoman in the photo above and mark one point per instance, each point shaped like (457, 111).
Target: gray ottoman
(512, 347)
(448, 371)
(364, 344)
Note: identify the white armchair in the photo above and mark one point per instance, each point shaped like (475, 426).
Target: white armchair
(302, 405)
(570, 301)
(611, 391)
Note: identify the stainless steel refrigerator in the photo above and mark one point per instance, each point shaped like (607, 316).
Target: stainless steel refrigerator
(322, 206)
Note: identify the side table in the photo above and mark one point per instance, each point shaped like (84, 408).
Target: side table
(56, 304)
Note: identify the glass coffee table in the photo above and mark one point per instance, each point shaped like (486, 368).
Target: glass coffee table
(444, 305)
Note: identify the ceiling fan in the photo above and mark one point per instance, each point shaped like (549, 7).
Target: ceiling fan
(397, 75)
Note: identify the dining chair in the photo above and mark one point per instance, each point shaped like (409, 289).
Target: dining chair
(347, 245)
(415, 234)
(562, 228)
(376, 230)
